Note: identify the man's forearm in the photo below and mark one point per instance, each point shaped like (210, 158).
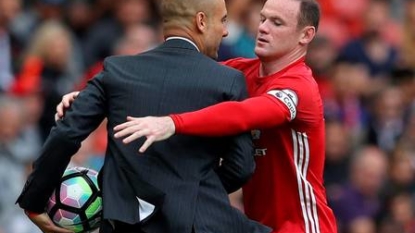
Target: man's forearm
(48, 170)
(229, 118)
(238, 164)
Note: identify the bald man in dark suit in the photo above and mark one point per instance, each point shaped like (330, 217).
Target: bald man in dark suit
(177, 186)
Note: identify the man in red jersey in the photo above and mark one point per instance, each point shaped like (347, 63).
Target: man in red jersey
(285, 114)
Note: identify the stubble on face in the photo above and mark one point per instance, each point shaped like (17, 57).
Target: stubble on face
(217, 27)
(278, 27)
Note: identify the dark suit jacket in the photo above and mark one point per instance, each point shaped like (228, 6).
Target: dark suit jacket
(180, 176)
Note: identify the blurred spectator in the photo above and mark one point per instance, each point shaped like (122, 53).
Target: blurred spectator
(136, 39)
(408, 43)
(386, 118)
(12, 171)
(344, 14)
(103, 36)
(321, 58)
(8, 11)
(334, 30)
(338, 150)
(350, 83)
(400, 181)
(400, 216)
(87, 156)
(103, 9)
(404, 79)
(28, 22)
(241, 41)
(360, 197)
(79, 17)
(48, 70)
(362, 225)
(372, 48)
(406, 143)
(401, 173)
(252, 16)
(29, 142)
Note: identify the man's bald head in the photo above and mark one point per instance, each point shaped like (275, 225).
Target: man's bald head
(201, 21)
(180, 13)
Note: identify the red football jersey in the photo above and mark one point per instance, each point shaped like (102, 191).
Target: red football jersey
(286, 191)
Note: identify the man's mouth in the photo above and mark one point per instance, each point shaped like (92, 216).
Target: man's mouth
(262, 40)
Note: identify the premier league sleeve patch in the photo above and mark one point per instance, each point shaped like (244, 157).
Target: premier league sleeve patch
(287, 97)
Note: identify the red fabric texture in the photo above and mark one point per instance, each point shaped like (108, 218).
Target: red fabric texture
(232, 117)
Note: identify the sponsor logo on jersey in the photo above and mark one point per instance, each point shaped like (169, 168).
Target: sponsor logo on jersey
(256, 134)
(289, 98)
(260, 152)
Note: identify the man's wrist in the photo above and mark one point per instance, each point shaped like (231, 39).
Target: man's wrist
(31, 214)
(176, 122)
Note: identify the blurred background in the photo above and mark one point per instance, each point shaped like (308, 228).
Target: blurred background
(363, 59)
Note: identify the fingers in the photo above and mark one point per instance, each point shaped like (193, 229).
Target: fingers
(46, 225)
(57, 117)
(125, 125)
(153, 128)
(64, 104)
(134, 136)
(69, 98)
(127, 129)
(60, 111)
(129, 118)
(56, 229)
(146, 144)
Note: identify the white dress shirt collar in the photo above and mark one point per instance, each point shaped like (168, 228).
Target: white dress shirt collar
(183, 38)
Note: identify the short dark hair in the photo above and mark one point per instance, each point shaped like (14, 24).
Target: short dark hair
(309, 13)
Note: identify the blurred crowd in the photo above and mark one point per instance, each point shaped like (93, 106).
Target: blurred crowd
(363, 59)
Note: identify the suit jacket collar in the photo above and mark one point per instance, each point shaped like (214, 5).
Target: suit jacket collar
(185, 39)
(179, 43)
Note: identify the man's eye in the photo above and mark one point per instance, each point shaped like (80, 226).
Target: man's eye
(277, 23)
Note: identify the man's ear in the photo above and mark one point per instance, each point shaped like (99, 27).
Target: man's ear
(201, 21)
(307, 35)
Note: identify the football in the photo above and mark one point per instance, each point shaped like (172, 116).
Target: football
(77, 203)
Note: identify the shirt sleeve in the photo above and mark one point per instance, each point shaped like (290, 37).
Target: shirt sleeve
(229, 118)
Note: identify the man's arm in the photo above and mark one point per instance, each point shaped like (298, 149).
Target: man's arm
(238, 165)
(65, 103)
(233, 117)
(64, 140)
(227, 118)
(45, 224)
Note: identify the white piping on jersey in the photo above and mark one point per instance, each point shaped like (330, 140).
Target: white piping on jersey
(307, 197)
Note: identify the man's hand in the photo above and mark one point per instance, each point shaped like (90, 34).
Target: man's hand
(45, 224)
(154, 128)
(65, 104)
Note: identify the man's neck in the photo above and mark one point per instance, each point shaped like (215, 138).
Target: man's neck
(183, 38)
(272, 66)
(183, 33)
